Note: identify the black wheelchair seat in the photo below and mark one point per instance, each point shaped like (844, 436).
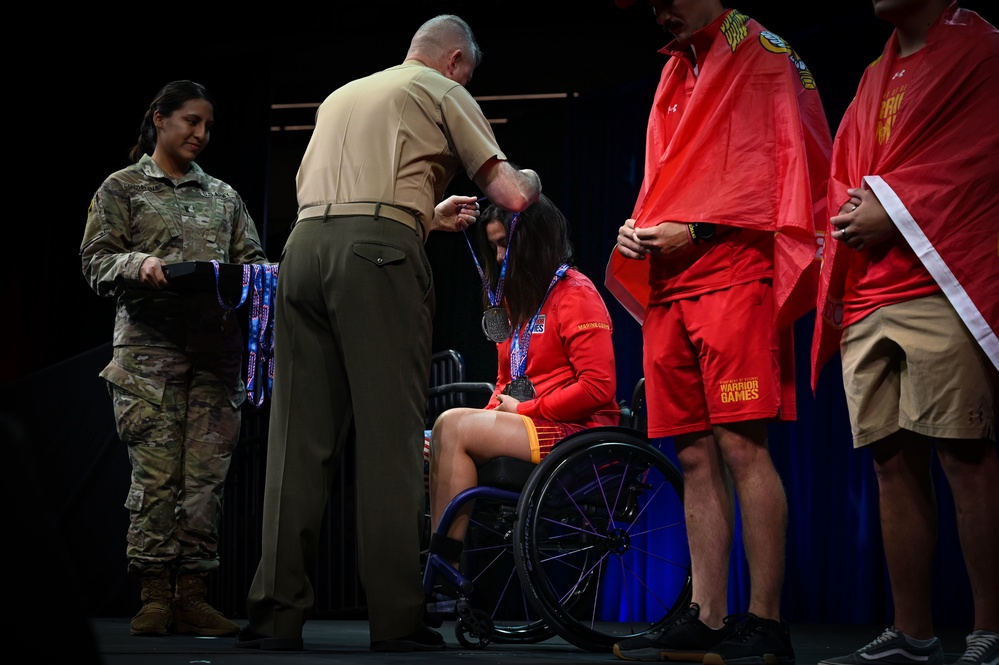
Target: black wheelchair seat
(507, 473)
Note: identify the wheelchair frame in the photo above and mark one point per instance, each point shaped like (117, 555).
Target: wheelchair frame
(550, 546)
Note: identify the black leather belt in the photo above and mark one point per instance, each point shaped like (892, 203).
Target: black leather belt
(375, 210)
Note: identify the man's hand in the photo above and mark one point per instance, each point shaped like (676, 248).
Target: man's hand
(455, 213)
(665, 239)
(862, 221)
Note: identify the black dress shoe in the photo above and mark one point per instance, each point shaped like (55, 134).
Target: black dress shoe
(422, 640)
(433, 620)
(251, 639)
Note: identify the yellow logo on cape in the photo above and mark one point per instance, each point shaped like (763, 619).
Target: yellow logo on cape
(734, 28)
(775, 44)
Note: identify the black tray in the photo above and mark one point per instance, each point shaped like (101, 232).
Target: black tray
(199, 277)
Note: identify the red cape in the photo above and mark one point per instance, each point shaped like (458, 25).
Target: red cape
(751, 150)
(938, 177)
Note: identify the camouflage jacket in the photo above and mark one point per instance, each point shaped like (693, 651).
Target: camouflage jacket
(140, 212)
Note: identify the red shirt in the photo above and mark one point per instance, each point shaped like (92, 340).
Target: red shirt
(570, 358)
(935, 175)
(891, 272)
(742, 143)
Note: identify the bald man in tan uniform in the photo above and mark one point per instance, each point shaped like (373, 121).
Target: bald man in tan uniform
(353, 327)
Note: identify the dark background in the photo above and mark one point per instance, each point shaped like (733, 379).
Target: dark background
(93, 86)
(76, 95)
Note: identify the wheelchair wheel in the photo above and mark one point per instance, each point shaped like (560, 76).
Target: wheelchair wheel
(474, 630)
(600, 540)
(488, 561)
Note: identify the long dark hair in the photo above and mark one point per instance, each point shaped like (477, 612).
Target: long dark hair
(538, 246)
(170, 98)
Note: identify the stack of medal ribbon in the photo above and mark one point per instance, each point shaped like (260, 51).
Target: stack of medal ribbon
(262, 279)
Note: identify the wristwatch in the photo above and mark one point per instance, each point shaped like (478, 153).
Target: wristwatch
(701, 231)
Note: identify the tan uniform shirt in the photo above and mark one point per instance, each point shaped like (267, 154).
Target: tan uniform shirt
(398, 136)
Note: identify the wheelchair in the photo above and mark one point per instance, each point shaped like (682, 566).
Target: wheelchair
(589, 545)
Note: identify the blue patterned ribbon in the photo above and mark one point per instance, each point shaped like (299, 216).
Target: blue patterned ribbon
(522, 337)
(260, 364)
(246, 286)
(495, 297)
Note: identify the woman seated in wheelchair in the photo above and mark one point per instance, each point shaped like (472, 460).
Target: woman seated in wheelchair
(556, 373)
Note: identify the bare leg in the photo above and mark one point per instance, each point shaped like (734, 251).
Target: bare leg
(461, 439)
(972, 470)
(908, 526)
(763, 507)
(710, 516)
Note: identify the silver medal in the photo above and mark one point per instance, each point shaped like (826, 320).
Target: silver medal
(521, 389)
(496, 324)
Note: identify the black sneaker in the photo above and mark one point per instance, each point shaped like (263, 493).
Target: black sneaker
(424, 639)
(251, 639)
(893, 647)
(686, 639)
(756, 642)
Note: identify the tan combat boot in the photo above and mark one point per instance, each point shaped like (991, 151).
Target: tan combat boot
(192, 615)
(156, 614)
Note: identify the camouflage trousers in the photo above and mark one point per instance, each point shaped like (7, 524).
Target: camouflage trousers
(178, 415)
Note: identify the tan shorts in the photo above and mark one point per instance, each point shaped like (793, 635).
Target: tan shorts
(915, 366)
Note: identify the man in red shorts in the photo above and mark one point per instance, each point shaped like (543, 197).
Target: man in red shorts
(717, 261)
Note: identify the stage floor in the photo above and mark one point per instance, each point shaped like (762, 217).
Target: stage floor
(346, 642)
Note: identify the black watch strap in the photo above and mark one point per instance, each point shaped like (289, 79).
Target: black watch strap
(701, 231)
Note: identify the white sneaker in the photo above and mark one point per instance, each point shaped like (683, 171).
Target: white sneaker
(983, 649)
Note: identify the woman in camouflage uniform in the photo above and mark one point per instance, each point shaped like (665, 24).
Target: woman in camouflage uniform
(175, 378)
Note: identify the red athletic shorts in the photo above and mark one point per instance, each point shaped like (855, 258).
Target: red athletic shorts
(717, 359)
(542, 435)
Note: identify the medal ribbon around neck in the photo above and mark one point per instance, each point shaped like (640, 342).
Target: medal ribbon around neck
(495, 297)
(521, 341)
